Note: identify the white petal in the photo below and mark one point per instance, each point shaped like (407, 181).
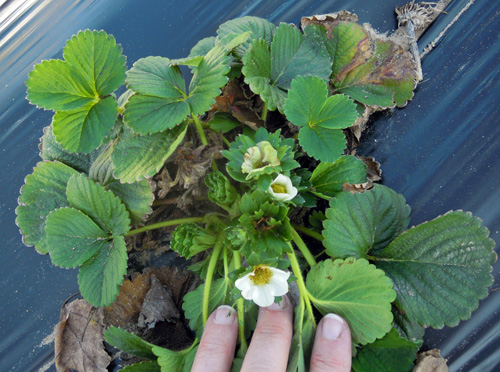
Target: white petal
(263, 296)
(280, 274)
(279, 287)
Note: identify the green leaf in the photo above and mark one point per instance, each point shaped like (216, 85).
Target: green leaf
(308, 104)
(321, 143)
(193, 302)
(202, 47)
(259, 28)
(101, 170)
(79, 89)
(376, 72)
(161, 103)
(136, 157)
(269, 73)
(44, 190)
(100, 276)
(56, 85)
(129, 342)
(176, 361)
(440, 269)
(208, 78)
(392, 353)
(223, 122)
(320, 117)
(98, 59)
(137, 197)
(84, 129)
(52, 150)
(364, 223)
(328, 178)
(358, 292)
(105, 209)
(72, 237)
(148, 366)
(411, 331)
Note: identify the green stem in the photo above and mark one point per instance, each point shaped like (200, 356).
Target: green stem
(199, 128)
(304, 294)
(210, 274)
(240, 305)
(320, 195)
(303, 248)
(264, 112)
(164, 224)
(226, 142)
(311, 233)
(226, 266)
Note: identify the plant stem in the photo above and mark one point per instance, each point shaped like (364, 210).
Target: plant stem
(264, 112)
(311, 233)
(241, 308)
(164, 224)
(303, 248)
(320, 195)
(199, 128)
(304, 294)
(226, 142)
(210, 274)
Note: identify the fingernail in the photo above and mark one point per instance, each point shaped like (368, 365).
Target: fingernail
(331, 326)
(282, 305)
(225, 315)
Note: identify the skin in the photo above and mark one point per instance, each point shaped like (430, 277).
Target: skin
(270, 345)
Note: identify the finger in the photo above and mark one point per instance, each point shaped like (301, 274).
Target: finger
(332, 348)
(268, 351)
(216, 350)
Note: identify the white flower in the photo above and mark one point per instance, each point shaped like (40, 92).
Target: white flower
(263, 284)
(259, 157)
(282, 189)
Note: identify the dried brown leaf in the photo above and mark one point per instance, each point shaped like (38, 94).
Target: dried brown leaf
(79, 339)
(158, 305)
(236, 101)
(430, 361)
(127, 307)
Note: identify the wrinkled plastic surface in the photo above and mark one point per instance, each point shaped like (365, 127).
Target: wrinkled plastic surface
(441, 152)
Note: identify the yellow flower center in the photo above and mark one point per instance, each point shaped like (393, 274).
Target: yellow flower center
(278, 189)
(262, 275)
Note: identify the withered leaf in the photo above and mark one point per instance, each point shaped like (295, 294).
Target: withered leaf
(430, 361)
(236, 101)
(158, 305)
(79, 339)
(124, 312)
(371, 68)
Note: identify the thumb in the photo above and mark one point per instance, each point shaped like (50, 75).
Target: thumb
(332, 348)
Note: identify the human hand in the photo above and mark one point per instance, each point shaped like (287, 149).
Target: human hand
(270, 346)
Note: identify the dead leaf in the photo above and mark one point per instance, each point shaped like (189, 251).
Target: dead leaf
(124, 312)
(373, 171)
(430, 361)
(127, 307)
(236, 101)
(79, 339)
(158, 305)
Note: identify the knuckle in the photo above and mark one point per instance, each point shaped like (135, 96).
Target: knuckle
(213, 348)
(274, 331)
(328, 363)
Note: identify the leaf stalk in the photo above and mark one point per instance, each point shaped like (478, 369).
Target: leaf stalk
(168, 223)
(210, 274)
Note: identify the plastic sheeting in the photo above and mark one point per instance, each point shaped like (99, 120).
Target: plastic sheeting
(441, 151)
